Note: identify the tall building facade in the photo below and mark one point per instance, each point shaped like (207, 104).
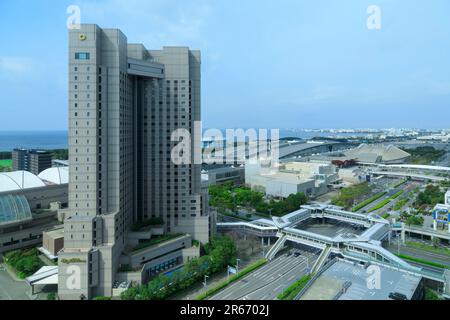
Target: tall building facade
(124, 104)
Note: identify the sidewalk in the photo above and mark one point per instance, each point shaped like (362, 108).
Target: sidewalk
(212, 281)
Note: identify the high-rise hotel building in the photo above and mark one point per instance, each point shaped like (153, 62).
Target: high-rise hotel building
(124, 104)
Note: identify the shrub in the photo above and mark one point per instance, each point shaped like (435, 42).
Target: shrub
(220, 253)
(25, 262)
(291, 292)
(51, 296)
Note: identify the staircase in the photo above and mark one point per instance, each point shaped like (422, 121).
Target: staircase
(321, 260)
(276, 247)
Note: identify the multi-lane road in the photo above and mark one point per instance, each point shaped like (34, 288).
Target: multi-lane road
(271, 279)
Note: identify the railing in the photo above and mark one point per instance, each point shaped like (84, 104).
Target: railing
(345, 286)
(314, 277)
(413, 270)
(322, 258)
(276, 247)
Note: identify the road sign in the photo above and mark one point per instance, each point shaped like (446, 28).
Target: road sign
(232, 270)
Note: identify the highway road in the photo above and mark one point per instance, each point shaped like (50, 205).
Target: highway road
(270, 280)
(421, 254)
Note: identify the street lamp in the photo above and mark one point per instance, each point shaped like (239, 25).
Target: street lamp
(237, 265)
(204, 283)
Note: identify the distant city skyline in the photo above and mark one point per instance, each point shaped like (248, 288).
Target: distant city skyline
(300, 65)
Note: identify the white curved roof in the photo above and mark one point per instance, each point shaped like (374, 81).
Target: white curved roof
(18, 180)
(58, 175)
(371, 152)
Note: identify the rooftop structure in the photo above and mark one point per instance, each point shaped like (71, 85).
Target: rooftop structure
(22, 180)
(56, 175)
(19, 180)
(378, 153)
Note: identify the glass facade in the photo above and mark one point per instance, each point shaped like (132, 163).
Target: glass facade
(14, 208)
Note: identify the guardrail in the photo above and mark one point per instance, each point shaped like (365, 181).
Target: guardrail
(314, 277)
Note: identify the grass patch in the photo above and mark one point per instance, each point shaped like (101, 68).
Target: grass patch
(423, 261)
(395, 196)
(291, 292)
(368, 201)
(426, 247)
(380, 205)
(5, 165)
(232, 279)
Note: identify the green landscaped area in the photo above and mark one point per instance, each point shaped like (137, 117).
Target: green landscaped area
(348, 195)
(227, 198)
(156, 240)
(385, 202)
(422, 246)
(219, 253)
(5, 165)
(425, 155)
(422, 261)
(368, 201)
(23, 262)
(431, 196)
(294, 289)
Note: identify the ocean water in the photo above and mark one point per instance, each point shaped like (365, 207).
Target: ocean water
(33, 140)
(59, 140)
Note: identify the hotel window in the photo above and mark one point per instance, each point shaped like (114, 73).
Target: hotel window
(82, 56)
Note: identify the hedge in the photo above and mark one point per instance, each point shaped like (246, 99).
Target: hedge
(423, 261)
(368, 201)
(380, 205)
(291, 292)
(234, 278)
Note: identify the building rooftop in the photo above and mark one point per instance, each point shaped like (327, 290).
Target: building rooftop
(18, 180)
(377, 153)
(328, 285)
(56, 175)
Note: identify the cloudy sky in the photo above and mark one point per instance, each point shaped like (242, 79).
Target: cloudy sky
(273, 64)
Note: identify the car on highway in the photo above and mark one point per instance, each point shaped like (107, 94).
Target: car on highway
(297, 254)
(397, 296)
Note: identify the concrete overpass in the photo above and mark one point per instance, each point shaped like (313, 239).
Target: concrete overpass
(430, 232)
(365, 247)
(410, 175)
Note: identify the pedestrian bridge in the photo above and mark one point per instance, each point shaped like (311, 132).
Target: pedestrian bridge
(365, 247)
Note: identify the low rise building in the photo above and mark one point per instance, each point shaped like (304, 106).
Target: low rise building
(220, 174)
(312, 179)
(29, 206)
